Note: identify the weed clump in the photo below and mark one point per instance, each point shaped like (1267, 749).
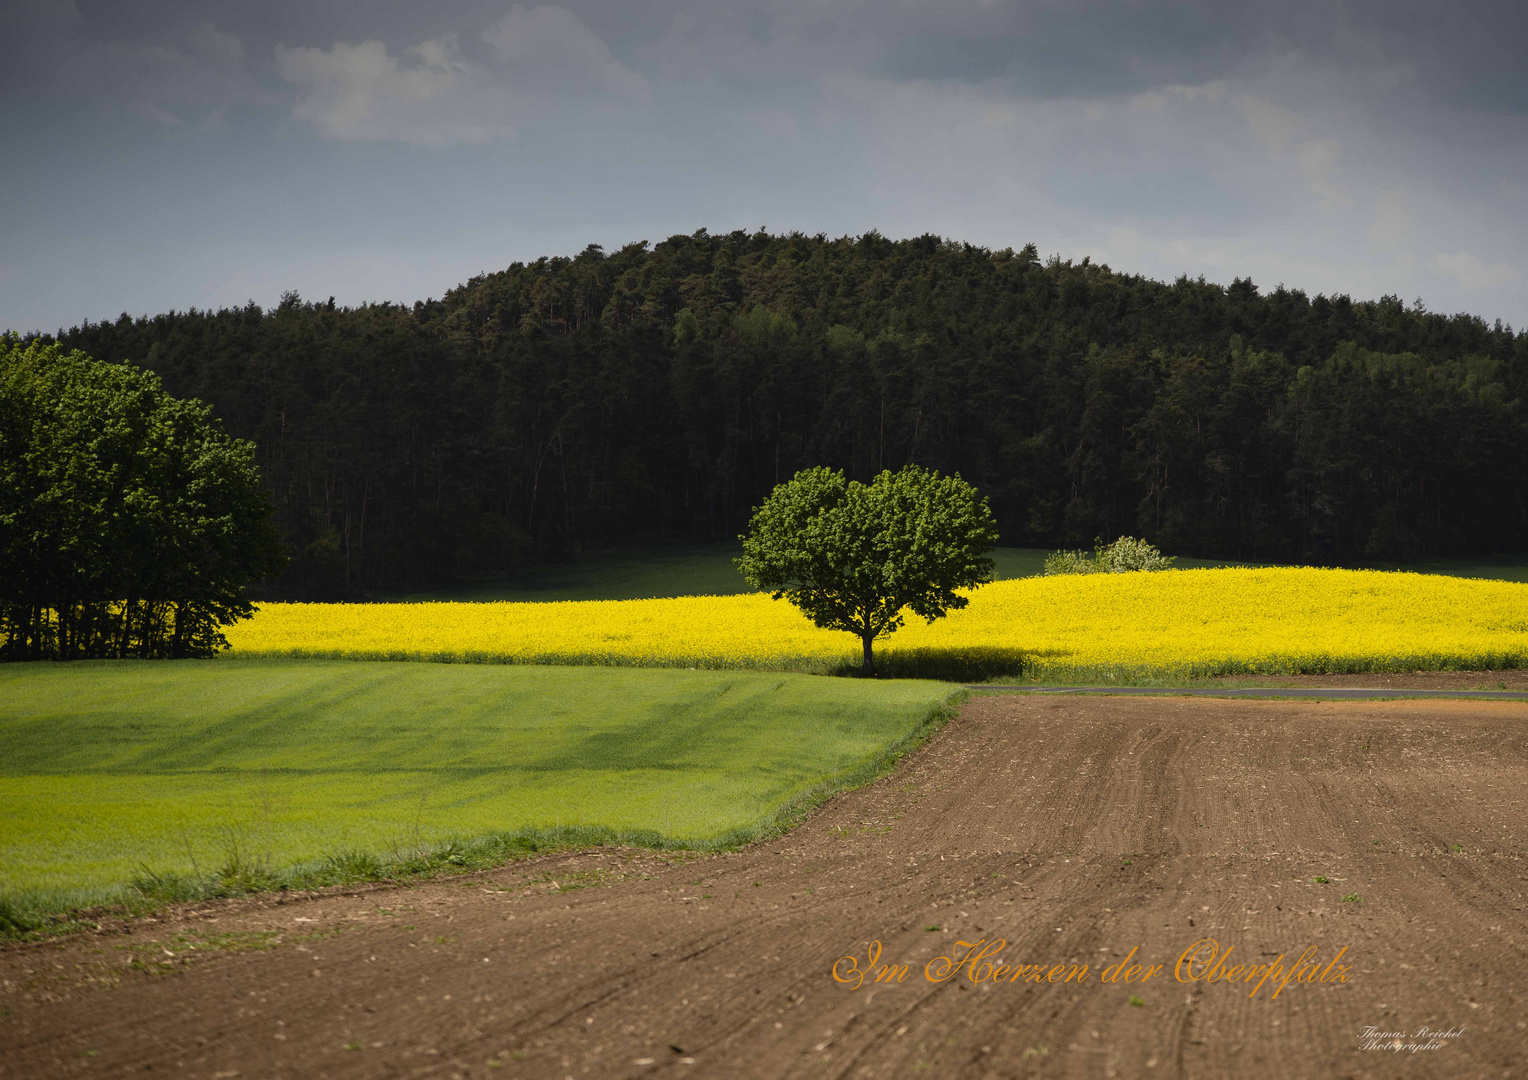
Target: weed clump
(15, 922)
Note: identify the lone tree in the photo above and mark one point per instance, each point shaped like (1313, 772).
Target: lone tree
(852, 556)
(130, 523)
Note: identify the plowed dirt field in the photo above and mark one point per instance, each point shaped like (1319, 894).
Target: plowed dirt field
(1074, 830)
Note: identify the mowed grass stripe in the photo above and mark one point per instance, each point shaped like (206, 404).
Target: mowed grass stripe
(110, 770)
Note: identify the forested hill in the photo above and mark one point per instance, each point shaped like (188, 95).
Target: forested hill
(659, 393)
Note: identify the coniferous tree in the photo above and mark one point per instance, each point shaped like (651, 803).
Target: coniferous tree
(659, 393)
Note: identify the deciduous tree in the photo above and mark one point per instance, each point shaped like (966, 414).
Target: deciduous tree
(130, 523)
(856, 557)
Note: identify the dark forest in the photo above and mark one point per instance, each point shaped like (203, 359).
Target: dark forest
(659, 393)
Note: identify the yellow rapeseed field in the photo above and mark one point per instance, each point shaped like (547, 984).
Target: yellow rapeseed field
(1165, 624)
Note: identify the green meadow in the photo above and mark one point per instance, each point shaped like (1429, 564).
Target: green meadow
(144, 782)
(248, 771)
(680, 570)
(707, 570)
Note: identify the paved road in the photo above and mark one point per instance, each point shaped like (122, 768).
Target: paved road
(1329, 693)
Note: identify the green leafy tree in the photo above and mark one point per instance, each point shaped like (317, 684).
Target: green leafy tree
(855, 556)
(130, 523)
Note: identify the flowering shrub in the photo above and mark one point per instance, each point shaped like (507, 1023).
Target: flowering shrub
(1125, 554)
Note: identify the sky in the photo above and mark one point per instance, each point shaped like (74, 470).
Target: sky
(162, 155)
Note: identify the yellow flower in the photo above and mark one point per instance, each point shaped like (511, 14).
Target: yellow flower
(1170, 623)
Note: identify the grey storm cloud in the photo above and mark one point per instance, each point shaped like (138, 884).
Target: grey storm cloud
(1467, 54)
(202, 153)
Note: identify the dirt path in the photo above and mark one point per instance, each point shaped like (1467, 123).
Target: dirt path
(1073, 829)
(1313, 693)
(1511, 679)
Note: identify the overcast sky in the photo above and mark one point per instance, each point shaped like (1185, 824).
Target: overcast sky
(161, 155)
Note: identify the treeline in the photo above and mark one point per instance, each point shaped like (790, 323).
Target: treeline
(660, 393)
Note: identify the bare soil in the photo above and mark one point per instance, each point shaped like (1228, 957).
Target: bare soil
(1073, 829)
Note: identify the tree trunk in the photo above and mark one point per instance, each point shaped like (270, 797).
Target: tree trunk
(177, 635)
(868, 669)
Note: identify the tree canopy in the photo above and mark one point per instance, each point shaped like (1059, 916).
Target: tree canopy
(659, 393)
(130, 523)
(854, 556)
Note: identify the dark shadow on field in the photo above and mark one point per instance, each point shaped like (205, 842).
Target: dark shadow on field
(636, 574)
(661, 572)
(1490, 567)
(707, 570)
(969, 665)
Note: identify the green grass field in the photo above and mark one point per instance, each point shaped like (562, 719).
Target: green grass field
(707, 570)
(115, 771)
(654, 573)
(1496, 567)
